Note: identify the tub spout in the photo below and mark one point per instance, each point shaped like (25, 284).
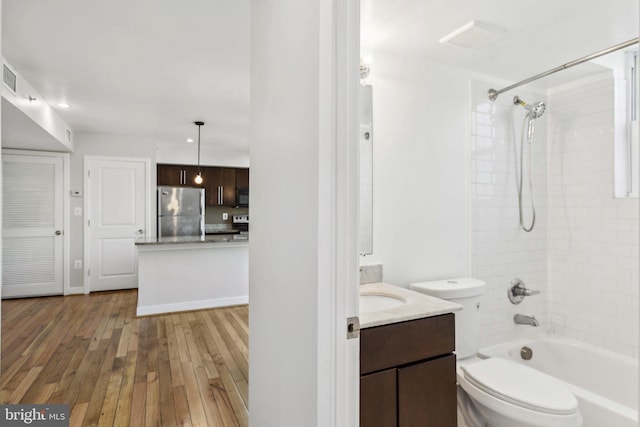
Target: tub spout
(521, 319)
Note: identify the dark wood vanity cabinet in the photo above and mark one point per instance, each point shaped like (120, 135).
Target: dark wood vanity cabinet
(378, 396)
(408, 374)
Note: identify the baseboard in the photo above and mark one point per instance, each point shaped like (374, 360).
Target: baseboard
(191, 305)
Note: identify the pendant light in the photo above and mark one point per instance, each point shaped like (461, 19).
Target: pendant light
(199, 179)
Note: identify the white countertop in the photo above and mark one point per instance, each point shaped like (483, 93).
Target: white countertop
(417, 305)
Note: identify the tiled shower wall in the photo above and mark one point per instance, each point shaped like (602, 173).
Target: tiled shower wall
(583, 253)
(501, 251)
(592, 236)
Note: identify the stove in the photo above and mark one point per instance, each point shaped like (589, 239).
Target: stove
(241, 222)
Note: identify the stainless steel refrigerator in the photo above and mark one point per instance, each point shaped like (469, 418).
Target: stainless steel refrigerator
(180, 211)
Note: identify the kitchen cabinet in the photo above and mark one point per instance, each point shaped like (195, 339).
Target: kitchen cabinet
(220, 186)
(242, 177)
(220, 183)
(408, 374)
(178, 175)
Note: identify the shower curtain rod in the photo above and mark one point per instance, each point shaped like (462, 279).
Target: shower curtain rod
(493, 94)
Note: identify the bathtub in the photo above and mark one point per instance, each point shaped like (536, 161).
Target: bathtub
(605, 383)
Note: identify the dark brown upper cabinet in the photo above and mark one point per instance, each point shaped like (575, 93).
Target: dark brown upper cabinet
(178, 175)
(220, 183)
(220, 186)
(242, 177)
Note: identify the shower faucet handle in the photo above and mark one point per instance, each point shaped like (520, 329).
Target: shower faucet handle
(518, 290)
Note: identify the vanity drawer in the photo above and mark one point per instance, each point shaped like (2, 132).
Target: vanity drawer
(398, 344)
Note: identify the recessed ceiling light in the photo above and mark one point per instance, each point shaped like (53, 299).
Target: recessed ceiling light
(189, 139)
(473, 35)
(63, 105)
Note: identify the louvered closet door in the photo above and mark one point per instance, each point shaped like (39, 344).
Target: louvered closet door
(32, 218)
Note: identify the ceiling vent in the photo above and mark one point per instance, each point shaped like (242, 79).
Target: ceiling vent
(9, 77)
(473, 35)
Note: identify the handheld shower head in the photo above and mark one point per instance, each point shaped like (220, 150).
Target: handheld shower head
(534, 111)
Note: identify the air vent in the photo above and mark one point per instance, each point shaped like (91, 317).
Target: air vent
(473, 35)
(9, 77)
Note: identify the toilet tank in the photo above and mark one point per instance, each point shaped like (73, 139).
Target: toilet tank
(468, 293)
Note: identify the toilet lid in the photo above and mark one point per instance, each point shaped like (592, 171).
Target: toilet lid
(521, 385)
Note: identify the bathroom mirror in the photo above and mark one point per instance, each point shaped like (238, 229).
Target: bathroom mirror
(366, 170)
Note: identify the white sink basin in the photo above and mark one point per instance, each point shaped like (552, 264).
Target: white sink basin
(377, 302)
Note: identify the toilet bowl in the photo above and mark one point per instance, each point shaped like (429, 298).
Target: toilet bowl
(497, 392)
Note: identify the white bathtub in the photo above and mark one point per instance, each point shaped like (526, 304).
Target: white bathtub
(605, 383)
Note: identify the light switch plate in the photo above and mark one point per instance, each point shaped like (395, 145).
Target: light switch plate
(225, 216)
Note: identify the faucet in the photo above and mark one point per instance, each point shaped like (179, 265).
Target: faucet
(517, 291)
(521, 319)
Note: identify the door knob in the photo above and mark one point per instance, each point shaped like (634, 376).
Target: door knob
(58, 232)
(141, 231)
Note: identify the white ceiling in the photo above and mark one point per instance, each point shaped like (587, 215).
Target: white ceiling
(540, 34)
(142, 68)
(151, 67)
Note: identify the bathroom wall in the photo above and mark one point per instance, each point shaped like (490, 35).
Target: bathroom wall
(500, 250)
(430, 136)
(421, 169)
(593, 237)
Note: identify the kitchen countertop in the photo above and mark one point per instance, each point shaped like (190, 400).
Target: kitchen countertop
(236, 240)
(417, 305)
(229, 231)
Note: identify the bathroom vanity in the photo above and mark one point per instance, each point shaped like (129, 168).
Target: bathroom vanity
(407, 365)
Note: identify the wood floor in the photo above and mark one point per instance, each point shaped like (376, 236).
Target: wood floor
(115, 369)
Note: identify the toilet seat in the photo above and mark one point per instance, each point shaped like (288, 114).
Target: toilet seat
(520, 385)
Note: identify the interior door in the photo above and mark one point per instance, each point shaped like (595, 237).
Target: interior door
(32, 233)
(118, 207)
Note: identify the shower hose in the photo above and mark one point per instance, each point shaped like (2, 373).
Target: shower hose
(519, 176)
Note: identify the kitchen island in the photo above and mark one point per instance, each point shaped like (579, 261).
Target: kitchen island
(191, 273)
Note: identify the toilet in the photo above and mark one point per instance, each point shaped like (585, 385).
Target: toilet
(497, 392)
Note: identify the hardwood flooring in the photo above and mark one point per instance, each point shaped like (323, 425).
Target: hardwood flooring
(116, 369)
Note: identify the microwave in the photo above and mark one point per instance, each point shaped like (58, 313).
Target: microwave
(242, 197)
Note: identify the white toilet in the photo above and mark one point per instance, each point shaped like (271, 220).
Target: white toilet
(498, 392)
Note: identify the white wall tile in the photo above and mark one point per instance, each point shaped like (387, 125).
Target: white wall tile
(500, 250)
(592, 236)
(583, 253)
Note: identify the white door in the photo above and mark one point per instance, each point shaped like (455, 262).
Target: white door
(118, 207)
(32, 233)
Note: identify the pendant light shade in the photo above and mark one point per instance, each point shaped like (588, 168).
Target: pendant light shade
(199, 179)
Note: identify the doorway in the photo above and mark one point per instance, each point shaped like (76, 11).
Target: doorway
(34, 221)
(118, 207)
